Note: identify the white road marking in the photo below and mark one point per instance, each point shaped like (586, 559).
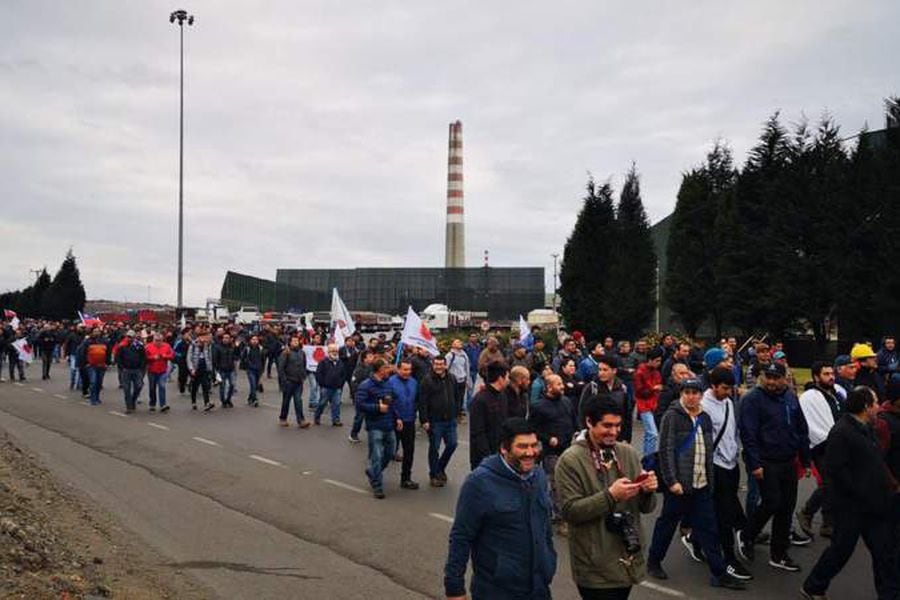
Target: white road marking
(662, 589)
(207, 442)
(37, 389)
(60, 396)
(270, 405)
(158, 426)
(345, 486)
(307, 472)
(85, 402)
(117, 413)
(441, 517)
(268, 461)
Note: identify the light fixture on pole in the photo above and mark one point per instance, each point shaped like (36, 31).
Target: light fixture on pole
(182, 17)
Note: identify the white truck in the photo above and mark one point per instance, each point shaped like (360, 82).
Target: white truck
(439, 317)
(546, 318)
(247, 314)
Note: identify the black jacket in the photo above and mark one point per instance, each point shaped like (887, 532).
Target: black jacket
(486, 415)
(872, 379)
(855, 469)
(330, 374)
(437, 398)
(223, 357)
(554, 417)
(292, 366)
(132, 356)
(517, 403)
(253, 358)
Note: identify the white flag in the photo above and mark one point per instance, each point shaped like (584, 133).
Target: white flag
(337, 337)
(340, 316)
(416, 333)
(313, 355)
(525, 337)
(26, 353)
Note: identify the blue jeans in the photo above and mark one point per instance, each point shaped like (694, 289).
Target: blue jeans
(74, 374)
(698, 507)
(313, 390)
(382, 447)
(358, 419)
(327, 395)
(441, 431)
(252, 383)
(95, 375)
(291, 392)
(651, 435)
(227, 381)
(132, 383)
(157, 388)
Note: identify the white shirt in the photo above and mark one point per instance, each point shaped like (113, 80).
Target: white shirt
(726, 454)
(818, 415)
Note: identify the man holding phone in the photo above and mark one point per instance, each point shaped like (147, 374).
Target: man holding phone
(374, 398)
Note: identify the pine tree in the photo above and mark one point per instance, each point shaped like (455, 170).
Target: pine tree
(631, 292)
(586, 260)
(66, 295)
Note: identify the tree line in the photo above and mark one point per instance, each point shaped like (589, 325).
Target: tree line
(61, 297)
(803, 236)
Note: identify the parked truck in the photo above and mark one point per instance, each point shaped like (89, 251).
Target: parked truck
(439, 317)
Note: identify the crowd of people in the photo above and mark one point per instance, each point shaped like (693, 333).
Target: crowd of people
(551, 425)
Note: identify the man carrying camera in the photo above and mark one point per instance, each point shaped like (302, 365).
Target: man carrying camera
(602, 493)
(686, 466)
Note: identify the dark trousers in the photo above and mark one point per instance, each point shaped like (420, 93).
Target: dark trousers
(819, 498)
(698, 508)
(778, 490)
(271, 359)
(848, 528)
(198, 381)
(604, 594)
(253, 384)
(291, 392)
(729, 513)
(85, 381)
(459, 392)
(407, 439)
(46, 361)
(627, 422)
(16, 364)
(183, 375)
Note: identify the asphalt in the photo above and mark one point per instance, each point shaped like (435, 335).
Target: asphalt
(251, 509)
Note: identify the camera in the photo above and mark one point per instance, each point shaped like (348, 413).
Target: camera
(622, 524)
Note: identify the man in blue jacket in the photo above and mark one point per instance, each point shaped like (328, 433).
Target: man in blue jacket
(774, 433)
(503, 522)
(375, 399)
(405, 389)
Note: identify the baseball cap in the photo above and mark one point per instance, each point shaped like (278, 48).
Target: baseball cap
(692, 384)
(713, 357)
(842, 360)
(775, 370)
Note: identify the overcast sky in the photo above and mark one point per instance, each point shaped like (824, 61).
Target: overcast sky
(316, 131)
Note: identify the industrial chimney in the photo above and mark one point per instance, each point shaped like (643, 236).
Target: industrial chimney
(455, 249)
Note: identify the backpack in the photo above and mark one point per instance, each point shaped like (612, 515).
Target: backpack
(96, 355)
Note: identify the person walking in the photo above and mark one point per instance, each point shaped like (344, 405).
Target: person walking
(97, 357)
(181, 348)
(46, 345)
(362, 372)
(686, 466)
(199, 364)
(376, 401)
(291, 373)
(488, 411)
(404, 388)
(860, 490)
(253, 358)
(602, 493)
(159, 354)
(502, 522)
(773, 432)
(647, 387)
(224, 358)
(330, 379)
(459, 368)
(437, 413)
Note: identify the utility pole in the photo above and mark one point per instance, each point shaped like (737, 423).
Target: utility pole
(181, 16)
(555, 286)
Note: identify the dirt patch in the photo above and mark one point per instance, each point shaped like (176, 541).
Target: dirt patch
(54, 544)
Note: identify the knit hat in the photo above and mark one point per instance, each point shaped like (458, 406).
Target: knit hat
(713, 357)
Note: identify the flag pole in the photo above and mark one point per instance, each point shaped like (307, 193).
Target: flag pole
(399, 354)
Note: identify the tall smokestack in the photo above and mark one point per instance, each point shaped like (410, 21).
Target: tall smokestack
(455, 249)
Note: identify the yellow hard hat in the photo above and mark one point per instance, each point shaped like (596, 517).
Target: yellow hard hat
(862, 352)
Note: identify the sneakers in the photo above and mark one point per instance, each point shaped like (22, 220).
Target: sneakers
(378, 494)
(208, 407)
(811, 596)
(442, 476)
(409, 485)
(743, 546)
(785, 563)
(353, 439)
(337, 424)
(728, 582)
(655, 570)
(304, 424)
(152, 409)
(193, 407)
(805, 522)
(284, 423)
(436, 482)
(255, 404)
(693, 548)
(798, 539)
(738, 571)
(164, 409)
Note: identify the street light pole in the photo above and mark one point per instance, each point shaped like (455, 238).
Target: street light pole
(181, 16)
(555, 314)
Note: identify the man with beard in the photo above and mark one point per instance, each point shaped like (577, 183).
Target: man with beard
(821, 410)
(517, 392)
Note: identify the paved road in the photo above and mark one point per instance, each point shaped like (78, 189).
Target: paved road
(251, 509)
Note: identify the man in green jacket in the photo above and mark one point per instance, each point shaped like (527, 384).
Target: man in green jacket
(602, 493)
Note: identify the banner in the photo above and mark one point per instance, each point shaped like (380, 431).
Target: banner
(340, 316)
(314, 354)
(89, 321)
(416, 333)
(525, 337)
(26, 353)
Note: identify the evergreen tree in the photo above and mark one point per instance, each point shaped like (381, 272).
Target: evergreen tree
(66, 295)
(631, 291)
(586, 260)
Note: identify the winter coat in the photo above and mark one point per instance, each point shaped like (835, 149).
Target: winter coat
(645, 380)
(158, 356)
(486, 414)
(368, 396)
(554, 417)
(517, 403)
(131, 355)
(503, 523)
(405, 392)
(253, 358)
(676, 460)
(330, 374)
(223, 357)
(585, 502)
(772, 428)
(292, 366)
(437, 399)
(855, 472)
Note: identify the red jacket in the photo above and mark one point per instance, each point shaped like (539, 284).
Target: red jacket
(645, 379)
(158, 357)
